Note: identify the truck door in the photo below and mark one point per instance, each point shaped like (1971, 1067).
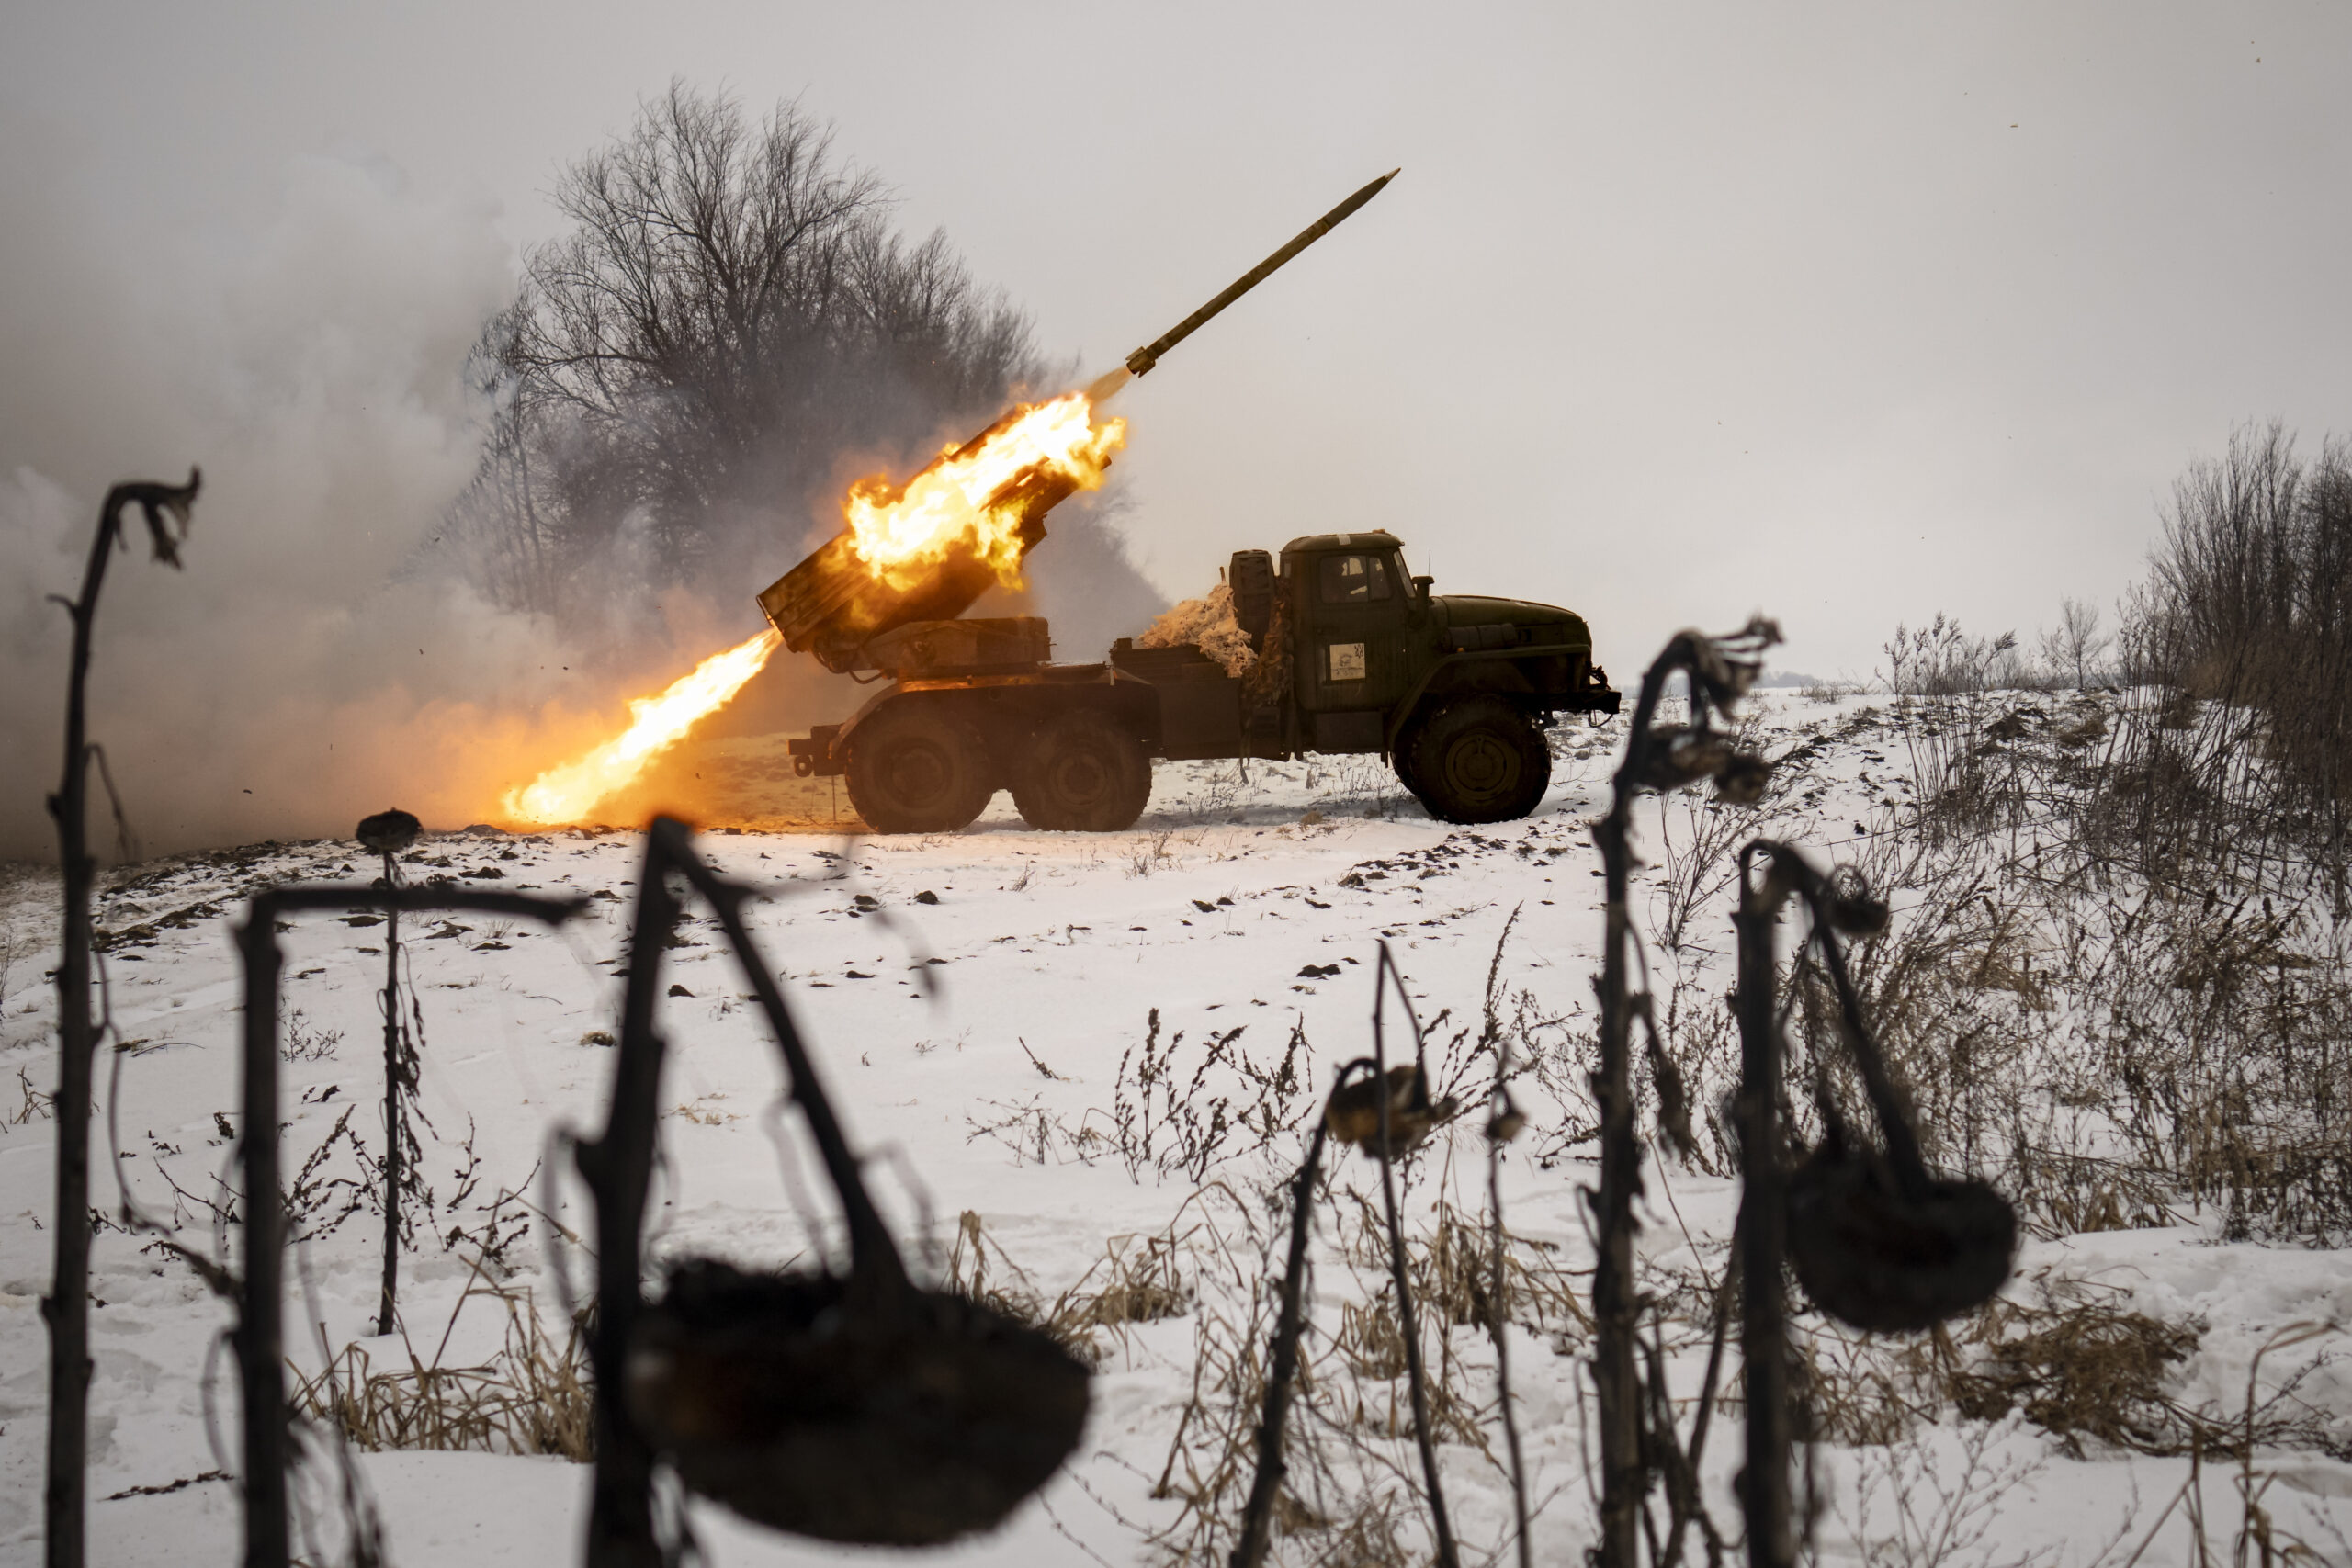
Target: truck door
(1353, 627)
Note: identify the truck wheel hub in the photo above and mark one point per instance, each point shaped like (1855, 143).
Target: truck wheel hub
(1079, 778)
(1481, 765)
(918, 773)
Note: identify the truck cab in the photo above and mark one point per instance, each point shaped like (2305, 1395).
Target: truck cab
(1358, 623)
(1452, 689)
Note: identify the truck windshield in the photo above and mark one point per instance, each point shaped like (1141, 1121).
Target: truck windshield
(1353, 580)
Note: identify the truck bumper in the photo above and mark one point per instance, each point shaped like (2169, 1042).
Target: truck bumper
(815, 753)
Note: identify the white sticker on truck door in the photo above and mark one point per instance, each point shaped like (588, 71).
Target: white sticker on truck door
(1346, 660)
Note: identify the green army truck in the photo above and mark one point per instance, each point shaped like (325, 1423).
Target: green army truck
(1353, 655)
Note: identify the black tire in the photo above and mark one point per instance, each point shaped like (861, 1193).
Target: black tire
(1082, 774)
(1400, 762)
(919, 767)
(1478, 759)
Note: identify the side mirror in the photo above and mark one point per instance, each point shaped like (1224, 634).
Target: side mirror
(1421, 586)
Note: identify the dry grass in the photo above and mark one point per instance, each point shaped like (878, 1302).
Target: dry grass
(1452, 1273)
(536, 1396)
(1208, 623)
(1697, 838)
(1138, 1279)
(2118, 1023)
(2082, 1369)
(1352, 1493)
(36, 1105)
(2072, 1360)
(1174, 1112)
(2068, 1193)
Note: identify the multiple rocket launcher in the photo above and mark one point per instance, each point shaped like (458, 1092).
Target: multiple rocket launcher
(831, 605)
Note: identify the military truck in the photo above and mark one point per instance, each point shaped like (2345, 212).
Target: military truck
(1353, 655)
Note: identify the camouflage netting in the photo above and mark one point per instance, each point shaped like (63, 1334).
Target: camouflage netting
(1208, 621)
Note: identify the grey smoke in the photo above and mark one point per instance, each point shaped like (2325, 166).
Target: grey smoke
(306, 365)
(318, 659)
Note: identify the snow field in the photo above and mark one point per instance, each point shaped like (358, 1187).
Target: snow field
(974, 1047)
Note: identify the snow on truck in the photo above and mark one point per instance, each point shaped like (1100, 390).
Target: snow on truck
(1333, 648)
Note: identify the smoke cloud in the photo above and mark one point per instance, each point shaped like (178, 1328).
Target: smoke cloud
(312, 662)
(293, 673)
(318, 659)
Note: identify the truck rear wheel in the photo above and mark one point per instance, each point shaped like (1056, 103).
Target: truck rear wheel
(1082, 774)
(1478, 759)
(918, 768)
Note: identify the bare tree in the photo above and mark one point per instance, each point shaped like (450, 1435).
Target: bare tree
(2070, 651)
(730, 317)
(2248, 608)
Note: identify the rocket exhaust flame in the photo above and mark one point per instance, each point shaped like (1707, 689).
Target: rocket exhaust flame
(967, 503)
(959, 504)
(570, 791)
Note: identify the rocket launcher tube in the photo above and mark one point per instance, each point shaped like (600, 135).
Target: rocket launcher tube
(831, 606)
(1141, 361)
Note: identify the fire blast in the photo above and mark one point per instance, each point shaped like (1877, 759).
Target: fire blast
(968, 505)
(901, 534)
(566, 794)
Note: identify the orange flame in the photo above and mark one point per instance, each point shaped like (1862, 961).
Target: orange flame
(968, 499)
(567, 793)
(899, 533)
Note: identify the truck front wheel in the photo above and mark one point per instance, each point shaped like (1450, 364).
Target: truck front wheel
(1478, 759)
(917, 768)
(1082, 774)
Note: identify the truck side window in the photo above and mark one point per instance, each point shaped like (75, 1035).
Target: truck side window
(1353, 580)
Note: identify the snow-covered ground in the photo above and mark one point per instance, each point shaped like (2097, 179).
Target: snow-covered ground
(1251, 903)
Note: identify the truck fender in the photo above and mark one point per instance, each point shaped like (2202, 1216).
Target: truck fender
(1130, 701)
(1404, 710)
(866, 709)
(819, 753)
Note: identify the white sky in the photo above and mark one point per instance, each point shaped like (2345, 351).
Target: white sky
(1848, 313)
